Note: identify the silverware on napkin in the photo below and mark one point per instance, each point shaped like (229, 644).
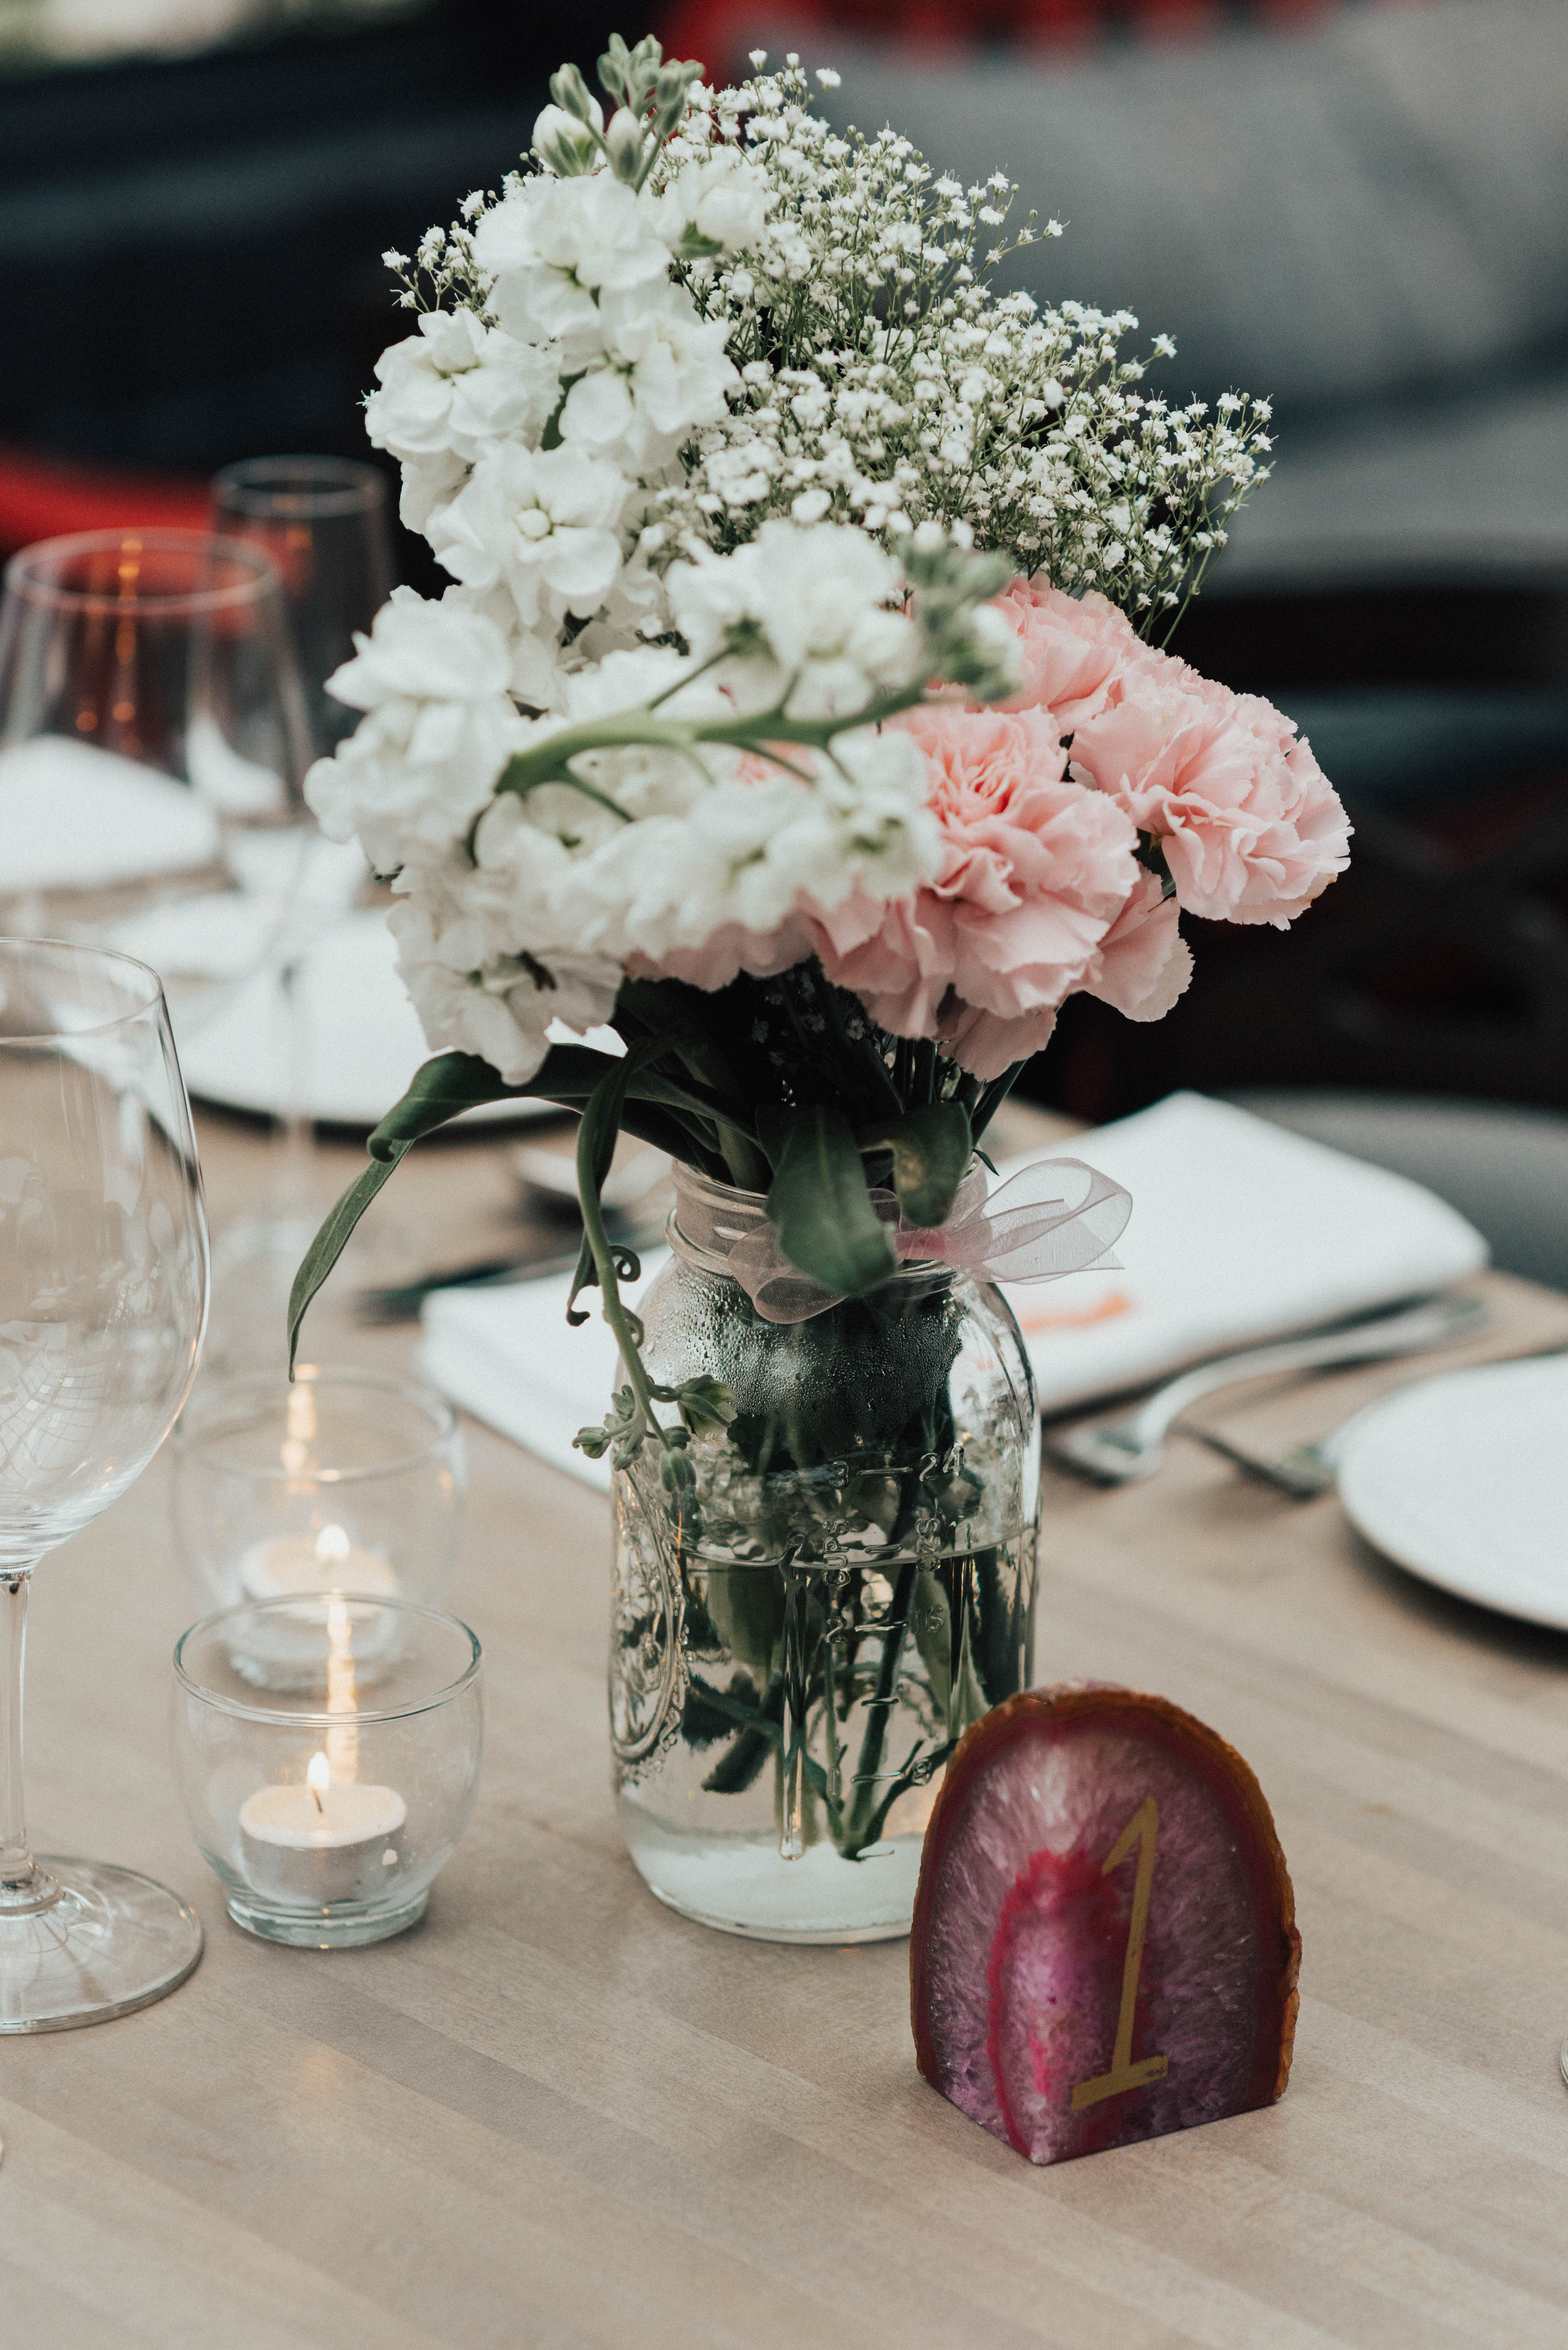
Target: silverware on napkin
(402, 1301)
(1122, 1452)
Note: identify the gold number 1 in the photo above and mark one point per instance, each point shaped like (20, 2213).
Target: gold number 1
(1142, 1830)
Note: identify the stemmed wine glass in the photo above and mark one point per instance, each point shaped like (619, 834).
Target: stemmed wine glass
(103, 1301)
(152, 744)
(323, 521)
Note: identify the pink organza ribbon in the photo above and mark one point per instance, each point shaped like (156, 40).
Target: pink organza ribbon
(1055, 1217)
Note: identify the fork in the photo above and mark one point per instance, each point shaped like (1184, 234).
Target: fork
(1302, 1470)
(1122, 1452)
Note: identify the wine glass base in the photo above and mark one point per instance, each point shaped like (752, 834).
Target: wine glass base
(113, 1942)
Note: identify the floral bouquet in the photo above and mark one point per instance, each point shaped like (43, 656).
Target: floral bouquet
(794, 715)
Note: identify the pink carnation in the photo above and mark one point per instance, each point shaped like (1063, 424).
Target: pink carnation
(1037, 872)
(1253, 830)
(1040, 895)
(1144, 962)
(1076, 650)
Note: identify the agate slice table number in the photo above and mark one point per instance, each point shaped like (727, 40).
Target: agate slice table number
(1105, 1946)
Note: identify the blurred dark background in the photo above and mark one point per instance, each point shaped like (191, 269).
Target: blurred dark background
(192, 243)
(1359, 210)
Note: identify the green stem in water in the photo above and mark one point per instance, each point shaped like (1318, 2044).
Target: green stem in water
(868, 1774)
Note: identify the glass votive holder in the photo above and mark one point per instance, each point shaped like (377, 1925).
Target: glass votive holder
(329, 1808)
(346, 1480)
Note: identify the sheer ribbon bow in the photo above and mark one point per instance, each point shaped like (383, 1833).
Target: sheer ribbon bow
(1057, 1216)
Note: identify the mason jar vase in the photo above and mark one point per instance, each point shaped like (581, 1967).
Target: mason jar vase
(799, 1640)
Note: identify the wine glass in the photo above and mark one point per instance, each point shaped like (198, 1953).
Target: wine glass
(152, 748)
(103, 1302)
(323, 521)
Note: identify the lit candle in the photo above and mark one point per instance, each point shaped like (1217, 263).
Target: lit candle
(329, 1560)
(323, 1840)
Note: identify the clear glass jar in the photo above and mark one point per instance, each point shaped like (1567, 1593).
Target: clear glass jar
(798, 1643)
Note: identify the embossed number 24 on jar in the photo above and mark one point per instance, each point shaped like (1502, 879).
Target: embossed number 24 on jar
(799, 1642)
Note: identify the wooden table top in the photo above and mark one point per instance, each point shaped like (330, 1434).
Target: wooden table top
(555, 2115)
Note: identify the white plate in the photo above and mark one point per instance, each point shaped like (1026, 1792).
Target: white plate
(363, 1039)
(1464, 1479)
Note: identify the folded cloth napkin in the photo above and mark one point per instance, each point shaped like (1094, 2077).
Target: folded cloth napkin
(1240, 1231)
(75, 817)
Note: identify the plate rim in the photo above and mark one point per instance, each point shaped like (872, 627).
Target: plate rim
(1555, 1358)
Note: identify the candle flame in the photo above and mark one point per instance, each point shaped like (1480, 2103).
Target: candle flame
(318, 1777)
(332, 1546)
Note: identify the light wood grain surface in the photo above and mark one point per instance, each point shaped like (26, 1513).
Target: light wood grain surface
(555, 2115)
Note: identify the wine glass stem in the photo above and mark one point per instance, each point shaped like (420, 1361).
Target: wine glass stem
(295, 1156)
(23, 1887)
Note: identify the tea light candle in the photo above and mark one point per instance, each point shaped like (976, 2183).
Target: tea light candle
(320, 1842)
(308, 1564)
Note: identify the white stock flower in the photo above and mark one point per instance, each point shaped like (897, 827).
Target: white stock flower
(504, 1009)
(421, 651)
(562, 143)
(642, 778)
(722, 201)
(553, 245)
(429, 483)
(535, 673)
(664, 373)
(816, 596)
(440, 727)
(543, 522)
(751, 847)
(458, 385)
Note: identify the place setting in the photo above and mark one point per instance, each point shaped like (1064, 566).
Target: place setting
(778, 1610)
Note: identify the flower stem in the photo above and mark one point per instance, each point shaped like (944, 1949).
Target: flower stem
(625, 1326)
(527, 770)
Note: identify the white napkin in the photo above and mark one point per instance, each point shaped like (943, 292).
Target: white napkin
(1240, 1231)
(75, 817)
(508, 1355)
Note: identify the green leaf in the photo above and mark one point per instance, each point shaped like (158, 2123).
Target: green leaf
(931, 1148)
(775, 1124)
(827, 1226)
(443, 1089)
(332, 1239)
